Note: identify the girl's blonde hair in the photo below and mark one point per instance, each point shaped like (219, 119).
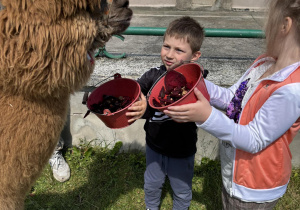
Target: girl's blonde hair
(189, 29)
(278, 10)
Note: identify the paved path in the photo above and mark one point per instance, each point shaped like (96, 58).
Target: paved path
(229, 56)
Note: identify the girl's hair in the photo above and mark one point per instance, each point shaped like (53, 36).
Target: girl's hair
(278, 10)
(189, 29)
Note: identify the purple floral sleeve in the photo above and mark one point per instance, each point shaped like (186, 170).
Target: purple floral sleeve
(235, 107)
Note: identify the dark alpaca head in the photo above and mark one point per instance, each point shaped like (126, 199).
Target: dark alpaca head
(112, 17)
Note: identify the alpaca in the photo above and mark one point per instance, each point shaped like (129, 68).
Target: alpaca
(46, 50)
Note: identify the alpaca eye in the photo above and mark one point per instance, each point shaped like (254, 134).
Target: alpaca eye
(88, 9)
(126, 4)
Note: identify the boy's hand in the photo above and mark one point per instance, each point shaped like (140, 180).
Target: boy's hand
(194, 112)
(137, 110)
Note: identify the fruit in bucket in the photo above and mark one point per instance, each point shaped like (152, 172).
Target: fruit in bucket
(111, 104)
(181, 81)
(175, 87)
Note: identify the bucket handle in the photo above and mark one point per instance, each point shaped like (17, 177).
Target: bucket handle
(203, 75)
(86, 93)
(204, 71)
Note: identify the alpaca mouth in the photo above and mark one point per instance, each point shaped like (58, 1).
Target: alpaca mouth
(90, 57)
(125, 21)
(128, 19)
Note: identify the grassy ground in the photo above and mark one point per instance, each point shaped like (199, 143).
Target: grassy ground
(104, 179)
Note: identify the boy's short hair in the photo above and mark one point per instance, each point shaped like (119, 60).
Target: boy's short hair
(189, 29)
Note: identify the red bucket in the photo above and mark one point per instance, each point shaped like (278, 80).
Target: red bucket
(193, 74)
(116, 87)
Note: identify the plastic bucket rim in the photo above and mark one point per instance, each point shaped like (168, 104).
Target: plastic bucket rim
(133, 101)
(183, 97)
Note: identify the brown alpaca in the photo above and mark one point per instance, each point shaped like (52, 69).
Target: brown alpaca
(43, 59)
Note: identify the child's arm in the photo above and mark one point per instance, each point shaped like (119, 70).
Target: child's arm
(137, 110)
(194, 112)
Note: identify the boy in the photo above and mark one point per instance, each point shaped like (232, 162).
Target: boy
(170, 146)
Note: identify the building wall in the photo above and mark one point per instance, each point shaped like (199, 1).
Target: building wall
(152, 3)
(201, 3)
(249, 4)
(198, 4)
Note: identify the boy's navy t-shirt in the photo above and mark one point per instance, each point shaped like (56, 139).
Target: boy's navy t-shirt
(163, 135)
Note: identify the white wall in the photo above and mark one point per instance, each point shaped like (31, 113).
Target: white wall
(198, 3)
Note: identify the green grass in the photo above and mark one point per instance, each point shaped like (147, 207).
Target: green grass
(105, 179)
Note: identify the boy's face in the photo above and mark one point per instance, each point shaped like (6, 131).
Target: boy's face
(175, 50)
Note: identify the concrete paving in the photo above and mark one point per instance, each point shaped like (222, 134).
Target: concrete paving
(225, 58)
(143, 51)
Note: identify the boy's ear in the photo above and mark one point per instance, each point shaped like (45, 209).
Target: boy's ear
(196, 55)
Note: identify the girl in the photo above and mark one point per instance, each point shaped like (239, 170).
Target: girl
(262, 116)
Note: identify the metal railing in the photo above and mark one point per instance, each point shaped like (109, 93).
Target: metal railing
(209, 32)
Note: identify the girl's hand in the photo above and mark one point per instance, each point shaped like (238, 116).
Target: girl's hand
(137, 110)
(194, 112)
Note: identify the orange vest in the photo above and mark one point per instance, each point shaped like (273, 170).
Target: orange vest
(270, 167)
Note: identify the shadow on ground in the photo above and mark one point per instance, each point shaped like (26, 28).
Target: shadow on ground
(103, 181)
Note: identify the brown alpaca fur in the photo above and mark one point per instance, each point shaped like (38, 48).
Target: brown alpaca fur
(43, 59)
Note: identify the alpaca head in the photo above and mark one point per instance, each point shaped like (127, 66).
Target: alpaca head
(45, 44)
